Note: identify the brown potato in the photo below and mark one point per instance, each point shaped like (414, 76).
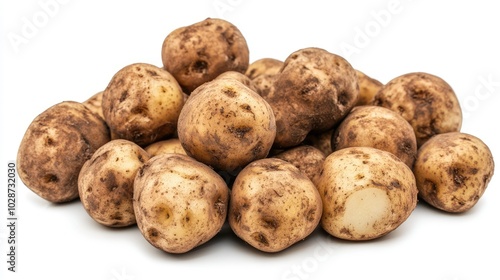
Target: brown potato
(94, 103)
(368, 87)
(106, 182)
(240, 78)
(426, 101)
(200, 52)
(172, 145)
(321, 141)
(377, 127)
(307, 159)
(273, 205)
(55, 146)
(453, 170)
(264, 66)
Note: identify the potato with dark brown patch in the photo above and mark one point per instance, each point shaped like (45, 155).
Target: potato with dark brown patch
(264, 66)
(142, 103)
(453, 170)
(55, 146)
(426, 101)
(273, 205)
(200, 52)
(179, 202)
(308, 159)
(377, 127)
(368, 87)
(172, 145)
(321, 141)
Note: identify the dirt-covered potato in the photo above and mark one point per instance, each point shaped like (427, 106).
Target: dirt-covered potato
(273, 205)
(263, 66)
(55, 146)
(453, 170)
(142, 103)
(179, 202)
(377, 127)
(314, 90)
(172, 145)
(198, 53)
(106, 182)
(94, 103)
(308, 159)
(426, 101)
(368, 87)
(240, 78)
(321, 141)
(226, 125)
(366, 193)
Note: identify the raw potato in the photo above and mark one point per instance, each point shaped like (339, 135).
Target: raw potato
(226, 125)
(426, 101)
(172, 145)
(55, 146)
(321, 141)
(368, 87)
(179, 203)
(200, 52)
(240, 78)
(377, 127)
(307, 159)
(453, 170)
(94, 103)
(366, 193)
(273, 205)
(142, 103)
(263, 66)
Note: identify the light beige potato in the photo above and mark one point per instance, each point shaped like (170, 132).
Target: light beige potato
(453, 170)
(55, 146)
(308, 159)
(179, 202)
(172, 145)
(377, 127)
(226, 125)
(426, 101)
(273, 205)
(106, 182)
(142, 103)
(366, 193)
(200, 52)
(368, 87)
(240, 77)
(94, 103)
(263, 66)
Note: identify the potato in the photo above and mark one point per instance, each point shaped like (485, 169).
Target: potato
(308, 159)
(263, 66)
(426, 101)
(106, 182)
(142, 103)
(453, 170)
(377, 127)
(273, 205)
(172, 145)
(200, 52)
(321, 141)
(366, 193)
(179, 203)
(368, 87)
(314, 90)
(240, 78)
(55, 146)
(226, 125)
(94, 103)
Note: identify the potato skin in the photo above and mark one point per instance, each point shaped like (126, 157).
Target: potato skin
(368, 88)
(179, 202)
(426, 101)
(55, 146)
(94, 103)
(106, 182)
(263, 66)
(453, 170)
(273, 205)
(308, 159)
(366, 193)
(200, 52)
(172, 145)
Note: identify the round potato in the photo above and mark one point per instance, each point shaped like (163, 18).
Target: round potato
(200, 52)
(377, 127)
(240, 78)
(179, 203)
(273, 205)
(426, 101)
(142, 103)
(366, 193)
(172, 145)
(308, 159)
(55, 146)
(453, 170)
(368, 87)
(264, 66)
(106, 182)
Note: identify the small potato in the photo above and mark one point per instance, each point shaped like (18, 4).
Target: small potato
(55, 146)
(307, 159)
(200, 52)
(321, 141)
(172, 145)
(426, 101)
(106, 182)
(377, 127)
(142, 103)
(368, 87)
(94, 103)
(273, 205)
(366, 193)
(179, 203)
(264, 66)
(453, 170)
(240, 78)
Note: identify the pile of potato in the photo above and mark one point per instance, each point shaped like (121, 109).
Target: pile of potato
(275, 148)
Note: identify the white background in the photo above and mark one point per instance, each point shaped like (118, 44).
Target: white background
(74, 47)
